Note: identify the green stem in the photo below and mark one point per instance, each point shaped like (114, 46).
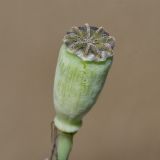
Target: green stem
(62, 145)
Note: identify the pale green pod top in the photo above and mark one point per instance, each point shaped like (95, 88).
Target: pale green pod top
(80, 74)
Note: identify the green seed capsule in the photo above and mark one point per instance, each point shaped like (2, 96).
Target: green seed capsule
(83, 63)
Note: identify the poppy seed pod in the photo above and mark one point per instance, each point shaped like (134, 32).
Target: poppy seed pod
(84, 60)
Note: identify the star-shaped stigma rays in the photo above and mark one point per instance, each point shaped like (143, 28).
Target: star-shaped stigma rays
(90, 43)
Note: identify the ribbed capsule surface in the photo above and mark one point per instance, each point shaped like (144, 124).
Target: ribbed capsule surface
(77, 85)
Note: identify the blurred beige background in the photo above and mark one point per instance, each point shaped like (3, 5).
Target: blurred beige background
(125, 122)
